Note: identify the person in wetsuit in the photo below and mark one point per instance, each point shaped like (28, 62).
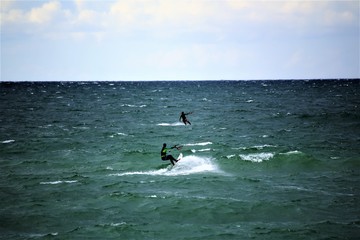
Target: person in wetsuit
(184, 119)
(166, 157)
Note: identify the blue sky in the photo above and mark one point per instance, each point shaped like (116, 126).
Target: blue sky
(179, 40)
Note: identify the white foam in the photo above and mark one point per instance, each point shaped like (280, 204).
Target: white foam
(256, 157)
(170, 124)
(259, 147)
(118, 134)
(8, 141)
(58, 182)
(152, 173)
(133, 106)
(291, 152)
(201, 150)
(263, 146)
(193, 164)
(117, 224)
(188, 165)
(40, 235)
(198, 144)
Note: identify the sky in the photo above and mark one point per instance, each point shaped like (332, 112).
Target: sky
(179, 40)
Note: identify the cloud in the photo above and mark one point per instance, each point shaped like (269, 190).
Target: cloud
(7, 4)
(45, 13)
(36, 15)
(80, 3)
(170, 18)
(187, 37)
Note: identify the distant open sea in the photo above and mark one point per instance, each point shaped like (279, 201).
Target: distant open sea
(262, 160)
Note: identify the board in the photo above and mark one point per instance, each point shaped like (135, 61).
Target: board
(180, 157)
(170, 167)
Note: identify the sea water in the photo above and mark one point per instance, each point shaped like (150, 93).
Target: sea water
(262, 160)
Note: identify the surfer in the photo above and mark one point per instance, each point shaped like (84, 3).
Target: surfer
(184, 119)
(165, 157)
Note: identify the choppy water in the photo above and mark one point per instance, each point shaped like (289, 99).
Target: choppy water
(262, 160)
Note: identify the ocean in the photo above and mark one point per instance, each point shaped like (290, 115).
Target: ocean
(262, 160)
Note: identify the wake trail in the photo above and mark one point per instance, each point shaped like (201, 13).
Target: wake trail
(188, 165)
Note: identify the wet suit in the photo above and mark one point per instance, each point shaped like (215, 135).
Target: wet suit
(165, 157)
(183, 117)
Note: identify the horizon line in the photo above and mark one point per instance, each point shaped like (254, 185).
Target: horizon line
(184, 80)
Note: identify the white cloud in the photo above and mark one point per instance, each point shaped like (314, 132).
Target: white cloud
(7, 4)
(186, 36)
(163, 17)
(45, 13)
(12, 16)
(36, 15)
(80, 3)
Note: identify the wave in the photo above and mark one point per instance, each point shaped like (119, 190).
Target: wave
(256, 147)
(201, 150)
(256, 157)
(43, 235)
(188, 165)
(262, 156)
(292, 160)
(198, 144)
(170, 124)
(8, 141)
(133, 106)
(118, 134)
(291, 152)
(59, 182)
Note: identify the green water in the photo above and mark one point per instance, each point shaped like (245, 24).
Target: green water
(262, 160)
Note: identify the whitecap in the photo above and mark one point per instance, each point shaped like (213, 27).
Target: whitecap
(170, 124)
(198, 144)
(58, 182)
(291, 152)
(259, 147)
(256, 157)
(41, 235)
(118, 134)
(201, 150)
(132, 105)
(127, 105)
(117, 224)
(8, 141)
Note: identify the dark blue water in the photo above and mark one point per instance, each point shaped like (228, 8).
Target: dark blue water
(262, 160)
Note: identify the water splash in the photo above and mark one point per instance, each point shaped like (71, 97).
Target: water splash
(194, 164)
(188, 165)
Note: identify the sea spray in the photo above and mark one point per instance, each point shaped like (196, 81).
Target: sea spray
(188, 165)
(194, 164)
